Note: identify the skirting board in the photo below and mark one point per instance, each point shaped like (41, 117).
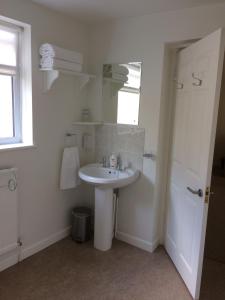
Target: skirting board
(9, 261)
(26, 252)
(14, 258)
(137, 242)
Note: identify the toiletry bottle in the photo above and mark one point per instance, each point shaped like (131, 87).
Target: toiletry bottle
(113, 161)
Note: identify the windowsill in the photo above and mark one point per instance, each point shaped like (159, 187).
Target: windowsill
(18, 146)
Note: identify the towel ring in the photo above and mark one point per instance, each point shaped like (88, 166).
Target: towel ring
(70, 135)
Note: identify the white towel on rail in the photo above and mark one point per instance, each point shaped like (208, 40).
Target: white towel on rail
(70, 166)
(52, 63)
(50, 50)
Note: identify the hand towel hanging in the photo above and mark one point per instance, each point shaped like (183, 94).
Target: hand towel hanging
(70, 166)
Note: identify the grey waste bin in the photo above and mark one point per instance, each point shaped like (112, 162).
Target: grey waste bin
(81, 224)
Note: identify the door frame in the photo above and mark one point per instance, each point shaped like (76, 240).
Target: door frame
(166, 134)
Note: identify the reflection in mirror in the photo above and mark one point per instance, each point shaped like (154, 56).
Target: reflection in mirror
(121, 93)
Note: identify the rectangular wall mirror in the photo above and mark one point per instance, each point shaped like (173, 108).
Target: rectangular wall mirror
(121, 93)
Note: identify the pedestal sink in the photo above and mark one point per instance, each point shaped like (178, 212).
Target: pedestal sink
(105, 180)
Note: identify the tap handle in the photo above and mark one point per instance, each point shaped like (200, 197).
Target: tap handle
(104, 161)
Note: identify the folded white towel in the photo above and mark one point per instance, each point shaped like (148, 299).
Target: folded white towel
(70, 166)
(53, 63)
(114, 68)
(116, 76)
(120, 77)
(60, 53)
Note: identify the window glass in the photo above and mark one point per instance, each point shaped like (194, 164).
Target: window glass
(128, 108)
(6, 104)
(8, 45)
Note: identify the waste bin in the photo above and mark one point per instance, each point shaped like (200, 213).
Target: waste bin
(81, 224)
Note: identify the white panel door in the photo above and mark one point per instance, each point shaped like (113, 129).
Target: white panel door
(8, 211)
(195, 116)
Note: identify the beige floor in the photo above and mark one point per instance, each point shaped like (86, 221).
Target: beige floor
(69, 271)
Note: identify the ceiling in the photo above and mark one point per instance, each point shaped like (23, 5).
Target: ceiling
(102, 10)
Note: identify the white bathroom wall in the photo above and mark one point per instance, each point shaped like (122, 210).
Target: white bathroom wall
(44, 209)
(143, 39)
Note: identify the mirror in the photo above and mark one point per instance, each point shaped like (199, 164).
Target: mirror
(121, 93)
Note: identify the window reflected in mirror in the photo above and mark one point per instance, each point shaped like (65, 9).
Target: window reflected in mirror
(121, 93)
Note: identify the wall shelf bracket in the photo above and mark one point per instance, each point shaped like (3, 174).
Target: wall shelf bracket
(51, 75)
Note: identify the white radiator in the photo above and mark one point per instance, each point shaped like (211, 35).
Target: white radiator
(8, 211)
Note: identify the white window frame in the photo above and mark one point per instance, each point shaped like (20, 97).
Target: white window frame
(22, 94)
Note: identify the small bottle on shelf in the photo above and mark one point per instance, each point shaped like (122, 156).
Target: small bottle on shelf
(85, 115)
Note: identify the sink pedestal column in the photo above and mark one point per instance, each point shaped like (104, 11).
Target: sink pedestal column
(103, 232)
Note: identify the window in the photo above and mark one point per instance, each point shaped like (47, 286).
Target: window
(10, 121)
(128, 98)
(15, 84)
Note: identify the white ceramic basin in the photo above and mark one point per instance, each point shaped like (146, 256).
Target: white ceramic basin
(107, 178)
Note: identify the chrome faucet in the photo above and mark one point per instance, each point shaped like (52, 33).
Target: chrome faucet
(104, 162)
(119, 163)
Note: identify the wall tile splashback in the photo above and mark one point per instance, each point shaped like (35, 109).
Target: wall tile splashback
(123, 140)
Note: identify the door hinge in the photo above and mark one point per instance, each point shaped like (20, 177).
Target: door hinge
(207, 194)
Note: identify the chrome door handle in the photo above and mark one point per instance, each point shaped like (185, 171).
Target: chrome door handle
(198, 192)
